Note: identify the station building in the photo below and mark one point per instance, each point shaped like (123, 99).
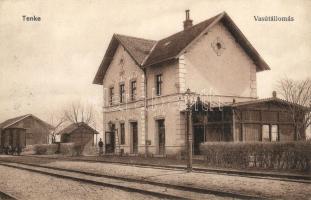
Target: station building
(145, 82)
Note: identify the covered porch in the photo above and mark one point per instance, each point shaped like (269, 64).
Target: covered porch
(12, 137)
(265, 120)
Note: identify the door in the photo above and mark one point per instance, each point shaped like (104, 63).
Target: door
(2, 138)
(110, 140)
(134, 137)
(161, 135)
(11, 137)
(198, 137)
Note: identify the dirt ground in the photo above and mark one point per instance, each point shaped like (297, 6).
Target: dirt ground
(263, 187)
(275, 189)
(25, 185)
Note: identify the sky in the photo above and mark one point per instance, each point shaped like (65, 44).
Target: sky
(46, 65)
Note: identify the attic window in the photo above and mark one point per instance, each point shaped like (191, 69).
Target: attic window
(121, 61)
(218, 45)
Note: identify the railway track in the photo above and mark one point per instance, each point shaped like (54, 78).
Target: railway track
(257, 175)
(157, 189)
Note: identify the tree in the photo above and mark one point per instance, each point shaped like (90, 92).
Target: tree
(77, 113)
(298, 93)
(57, 121)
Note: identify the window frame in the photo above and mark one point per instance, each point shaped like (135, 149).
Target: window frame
(265, 139)
(277, 133)
(133, 90)
(270, 133)
(122, 133)
(158, 82)
(122, 92)
(111, 94)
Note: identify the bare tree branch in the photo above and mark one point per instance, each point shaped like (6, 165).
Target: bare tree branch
(57, 121)
(298, 93)
(77, 113)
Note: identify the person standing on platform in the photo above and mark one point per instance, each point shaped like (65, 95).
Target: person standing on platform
(101, 145)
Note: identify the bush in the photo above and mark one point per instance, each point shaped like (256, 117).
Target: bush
(71, 149)
(77, 149)
(278, 155)
(41, 149)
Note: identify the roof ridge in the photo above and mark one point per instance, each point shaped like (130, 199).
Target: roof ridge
(200, 23)
(265, 100)
(151, 50)
(191, 31)
(15, 120)
(172, 46)
(194, 26)
(74, 126)
(129, 36)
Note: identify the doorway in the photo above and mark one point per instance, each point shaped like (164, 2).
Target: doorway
(198, 137)
(110, 139)
(134, 130)
(161, 136)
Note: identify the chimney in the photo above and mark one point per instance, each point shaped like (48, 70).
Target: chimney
(188, 21)
(274, 94)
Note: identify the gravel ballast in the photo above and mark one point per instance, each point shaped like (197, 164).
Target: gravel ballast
(275, 189)
(32, 186)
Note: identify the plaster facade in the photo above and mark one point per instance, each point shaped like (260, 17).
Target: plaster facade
(228, 75)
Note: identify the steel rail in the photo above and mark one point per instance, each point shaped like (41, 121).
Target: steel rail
(159, 184)
(257, 175)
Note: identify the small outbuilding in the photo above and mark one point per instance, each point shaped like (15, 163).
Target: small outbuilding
(78, 133)
(23, 130)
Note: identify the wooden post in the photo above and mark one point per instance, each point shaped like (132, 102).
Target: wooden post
(96, 140)
(204, 125)
(222, 125)
(233, 126)
(270, 135)
(242, 126)
(190, 146)
(261, 124)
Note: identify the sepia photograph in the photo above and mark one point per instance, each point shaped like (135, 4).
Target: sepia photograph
(136, 99)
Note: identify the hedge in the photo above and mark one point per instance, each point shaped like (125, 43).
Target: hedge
(269, 155)
(41, 149)
(71, 149)
(65, 148)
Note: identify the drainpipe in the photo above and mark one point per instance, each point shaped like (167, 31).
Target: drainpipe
(146, 112)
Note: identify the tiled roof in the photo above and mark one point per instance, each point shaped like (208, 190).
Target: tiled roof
(257, 101)
(171, 46)
(149, 52)
(277, 100)
(72, 127)
(138, 48)
(264, 100)
(12, 121)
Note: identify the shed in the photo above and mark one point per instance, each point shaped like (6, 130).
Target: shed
(78, 133)
(24, 130)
